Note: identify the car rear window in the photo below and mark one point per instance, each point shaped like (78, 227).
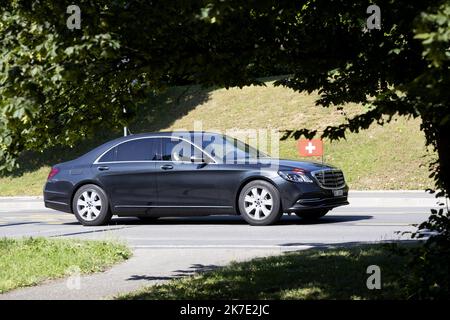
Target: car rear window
(109, 156)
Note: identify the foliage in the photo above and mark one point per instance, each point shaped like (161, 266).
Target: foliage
(429, 265)
(57, 86)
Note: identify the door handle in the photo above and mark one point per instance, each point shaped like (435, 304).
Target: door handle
(103, 168)
(167, 167)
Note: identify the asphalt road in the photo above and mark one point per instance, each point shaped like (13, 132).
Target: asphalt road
(173, 247)
(371, 216)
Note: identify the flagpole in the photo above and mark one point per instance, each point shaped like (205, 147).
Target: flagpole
(125, 129)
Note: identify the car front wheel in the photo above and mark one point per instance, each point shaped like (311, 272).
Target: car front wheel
(259, 203)
(90, 206)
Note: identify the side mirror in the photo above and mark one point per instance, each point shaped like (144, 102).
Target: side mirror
(197, 159)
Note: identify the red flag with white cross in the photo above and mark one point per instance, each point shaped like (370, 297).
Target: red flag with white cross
(310, 148)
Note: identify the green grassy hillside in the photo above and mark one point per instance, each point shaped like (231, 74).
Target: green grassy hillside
(383, 157)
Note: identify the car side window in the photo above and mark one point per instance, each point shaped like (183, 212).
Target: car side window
(178, 150)
(134, 150)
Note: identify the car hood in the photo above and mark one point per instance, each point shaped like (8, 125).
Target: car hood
(284, 164)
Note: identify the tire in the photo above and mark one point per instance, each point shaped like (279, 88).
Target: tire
(147, 219)
(312, 215)
(91, 206)
(259, 203)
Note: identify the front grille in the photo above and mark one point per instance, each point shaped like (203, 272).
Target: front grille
(330, 178)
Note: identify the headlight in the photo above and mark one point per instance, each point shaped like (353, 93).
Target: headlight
(295, 176)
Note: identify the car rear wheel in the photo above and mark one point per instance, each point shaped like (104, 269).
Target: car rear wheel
(259, 203)
(90, 206)
(312, 215)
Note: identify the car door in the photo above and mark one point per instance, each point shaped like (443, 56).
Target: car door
(128, 174)
(183, 183)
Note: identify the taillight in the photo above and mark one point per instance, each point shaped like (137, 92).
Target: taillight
(53, 172)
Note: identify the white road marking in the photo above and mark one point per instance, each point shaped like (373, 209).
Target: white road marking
(207, 246)
(383, 224)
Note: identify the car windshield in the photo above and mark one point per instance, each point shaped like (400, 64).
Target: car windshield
(229, 149)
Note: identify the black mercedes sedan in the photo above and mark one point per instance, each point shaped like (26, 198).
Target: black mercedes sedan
(168, 174)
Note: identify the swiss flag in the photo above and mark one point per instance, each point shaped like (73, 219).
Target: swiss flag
(310, 148)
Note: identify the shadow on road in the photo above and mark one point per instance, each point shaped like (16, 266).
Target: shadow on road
(197, 267)
(150, 278)
(16, 224)
(236, 220)
(194, 269)
(350, 244)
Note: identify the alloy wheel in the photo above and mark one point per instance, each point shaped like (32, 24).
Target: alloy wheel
(89, 205)
(258, 203)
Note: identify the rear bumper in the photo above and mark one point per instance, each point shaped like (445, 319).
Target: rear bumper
(56, 200)
(60, 206)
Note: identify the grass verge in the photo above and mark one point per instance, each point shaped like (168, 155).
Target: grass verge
(338, 273)
(29, 261)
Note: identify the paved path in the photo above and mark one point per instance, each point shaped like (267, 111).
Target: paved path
(172, 247)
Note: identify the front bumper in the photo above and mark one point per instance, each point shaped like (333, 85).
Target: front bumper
(304, 196)
(318, 203)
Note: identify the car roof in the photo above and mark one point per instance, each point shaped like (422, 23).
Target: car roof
(92, 155)
(181, 134)
(165, 133)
